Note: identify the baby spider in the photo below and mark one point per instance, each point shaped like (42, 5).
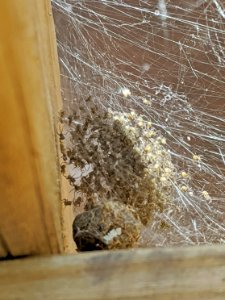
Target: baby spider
(71, 179)
(184, 188)
(197, 157)
(206, 195)
(61, 116)
(61, 135)
(63, 151)
(78, 201)
(63, 169)
(184, 174)
(67, 202)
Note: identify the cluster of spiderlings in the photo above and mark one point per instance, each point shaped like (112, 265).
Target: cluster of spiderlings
(121, 157)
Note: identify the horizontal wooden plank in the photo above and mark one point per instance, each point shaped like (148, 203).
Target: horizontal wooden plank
(30, 99)
(196, 273)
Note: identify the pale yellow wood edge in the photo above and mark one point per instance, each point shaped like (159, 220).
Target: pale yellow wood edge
(30, 97)
(196, 273)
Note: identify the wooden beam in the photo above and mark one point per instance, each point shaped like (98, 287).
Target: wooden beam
(3, 251)
(196, 273)
(30, 100)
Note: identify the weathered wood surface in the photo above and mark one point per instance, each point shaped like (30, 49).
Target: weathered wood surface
(30, 99)
(196, 273)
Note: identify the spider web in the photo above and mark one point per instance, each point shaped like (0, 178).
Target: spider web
(166, 60)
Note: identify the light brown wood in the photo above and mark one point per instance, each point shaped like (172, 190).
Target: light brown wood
(30, 100)
(68, 215)
(196, 273)
(3, 251)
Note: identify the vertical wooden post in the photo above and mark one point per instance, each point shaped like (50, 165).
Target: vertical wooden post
(29, 99)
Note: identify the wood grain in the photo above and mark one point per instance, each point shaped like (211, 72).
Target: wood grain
(3, 251)
(30, 99)
(196, 273)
